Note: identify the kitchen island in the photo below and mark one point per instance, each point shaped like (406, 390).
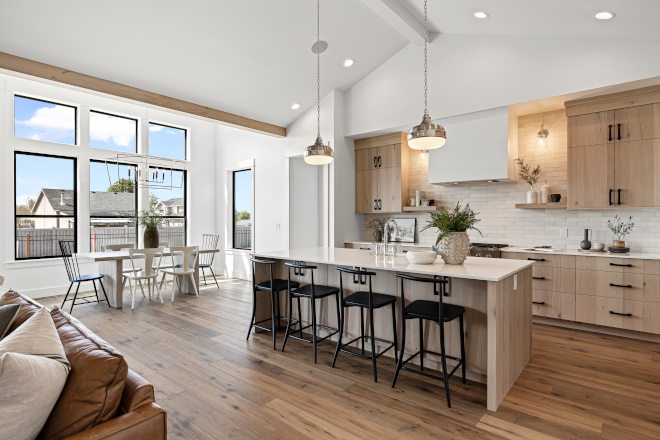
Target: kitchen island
(497, 296)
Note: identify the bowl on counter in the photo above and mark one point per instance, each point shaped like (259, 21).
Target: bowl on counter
(598, 246)
(421, 257)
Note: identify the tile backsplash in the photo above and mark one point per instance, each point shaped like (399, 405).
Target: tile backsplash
(501, 222)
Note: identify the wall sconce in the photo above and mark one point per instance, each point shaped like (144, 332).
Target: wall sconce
(542, 135)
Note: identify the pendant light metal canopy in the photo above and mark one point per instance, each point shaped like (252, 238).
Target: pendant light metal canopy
(318, 153)
(426, 135)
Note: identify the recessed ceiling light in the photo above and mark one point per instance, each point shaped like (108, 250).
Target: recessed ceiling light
(295, 106)
(481, 14)
(604, 15)
(348, 63)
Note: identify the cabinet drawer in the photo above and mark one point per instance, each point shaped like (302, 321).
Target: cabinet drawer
(628, 286)
(619, 313)
(553, 304)
(555, 279)
(546, 260)
(622, 265)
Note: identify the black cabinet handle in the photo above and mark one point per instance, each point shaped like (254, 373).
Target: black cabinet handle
(375, 204)
(618, 128)
(621, 265)
(619, 196)
(610, 130)
(365, 249)
(627, 286)
(380, 206)
(536, 259)
(538, 278)
(378, 161)
(620, 314)
(540, 303)
(375, 159)
(609, 197)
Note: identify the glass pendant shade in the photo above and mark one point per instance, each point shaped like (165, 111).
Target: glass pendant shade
(318, 154)
(427, 135)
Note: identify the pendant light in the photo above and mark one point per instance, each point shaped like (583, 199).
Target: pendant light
(318, 154)
(426, 135)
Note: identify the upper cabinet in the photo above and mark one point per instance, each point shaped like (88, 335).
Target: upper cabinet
(382, 173)
(614, 150)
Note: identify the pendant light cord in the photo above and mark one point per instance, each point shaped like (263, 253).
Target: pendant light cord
(426, 41)
(318, 68)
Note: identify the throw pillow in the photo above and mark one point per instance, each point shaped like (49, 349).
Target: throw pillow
(33, 371)
(7, 315)
(28, 307)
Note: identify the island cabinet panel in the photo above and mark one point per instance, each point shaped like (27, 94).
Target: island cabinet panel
(619, 313)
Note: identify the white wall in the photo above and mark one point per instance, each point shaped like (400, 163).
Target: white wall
(39, 278)
(470, 73)
(305, 196)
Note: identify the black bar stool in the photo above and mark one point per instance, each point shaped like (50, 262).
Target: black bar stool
(313, 292)
(370, 301)
(274, 286)
(439, 313)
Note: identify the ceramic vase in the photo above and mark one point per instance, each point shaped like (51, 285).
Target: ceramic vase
(532, 196)
(619, 244)
(454, 248)
(378, 236)
(151, 237)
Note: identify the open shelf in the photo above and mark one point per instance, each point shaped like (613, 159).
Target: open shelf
(421, 208)
(549, 205)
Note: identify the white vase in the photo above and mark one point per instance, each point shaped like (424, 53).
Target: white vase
(545, 193)
(532, 196)
(454, 248)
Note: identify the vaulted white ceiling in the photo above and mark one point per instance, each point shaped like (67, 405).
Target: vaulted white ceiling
(253, 57)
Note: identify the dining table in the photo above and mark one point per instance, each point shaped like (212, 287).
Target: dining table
(111, 265)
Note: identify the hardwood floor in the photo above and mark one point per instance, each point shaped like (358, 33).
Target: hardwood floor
(214, 384)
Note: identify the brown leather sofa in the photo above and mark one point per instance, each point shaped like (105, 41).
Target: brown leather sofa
(103, 398)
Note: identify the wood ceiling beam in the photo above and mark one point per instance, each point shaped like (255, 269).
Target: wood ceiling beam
(397, 16)
(60, 75)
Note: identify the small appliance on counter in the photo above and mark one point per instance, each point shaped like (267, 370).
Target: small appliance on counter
(487, 250)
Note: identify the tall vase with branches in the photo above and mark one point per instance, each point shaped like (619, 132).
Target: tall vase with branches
(531, 176)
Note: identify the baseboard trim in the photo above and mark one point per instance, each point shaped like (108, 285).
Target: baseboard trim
(44, 292)
(631, 334)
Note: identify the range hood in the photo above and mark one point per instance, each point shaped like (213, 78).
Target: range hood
(481, 147)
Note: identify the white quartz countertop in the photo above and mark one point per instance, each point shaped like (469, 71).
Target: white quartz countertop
(636, 255)
(398, 243)
(485, 269)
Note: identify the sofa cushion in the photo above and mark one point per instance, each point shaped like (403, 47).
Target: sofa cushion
(33, 371)
(94, 389)
(28, 307)
(7, 315)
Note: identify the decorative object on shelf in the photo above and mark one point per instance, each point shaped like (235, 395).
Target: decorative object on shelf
(555, 198)
(598, 246)
(411, 202)
(545, 193)
(150, 221)
(453, 241)
(318, 154)
(620, 229)
(376, 225)
(586, 244)
(426, 202)
(530, 176)
(404, 232)
(542, 135)
(422, 257)
(418, 198)
(426, 135)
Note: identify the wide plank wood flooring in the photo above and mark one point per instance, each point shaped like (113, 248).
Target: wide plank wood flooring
(214, 384)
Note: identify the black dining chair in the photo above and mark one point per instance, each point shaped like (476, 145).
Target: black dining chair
(73, 271)
(209, 241)
(435, 311)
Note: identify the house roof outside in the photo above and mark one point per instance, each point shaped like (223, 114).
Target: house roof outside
(177, 201)
(101, 203)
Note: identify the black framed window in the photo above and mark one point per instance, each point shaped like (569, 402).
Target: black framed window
(112, 203)
(45, 200)
(167, 141)
(112, 132)
(168, 198)
(45, 120)
(242, 220)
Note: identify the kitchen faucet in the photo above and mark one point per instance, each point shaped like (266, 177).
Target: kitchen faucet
(386, 232)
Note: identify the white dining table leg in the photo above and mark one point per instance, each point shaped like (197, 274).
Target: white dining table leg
(112, 277)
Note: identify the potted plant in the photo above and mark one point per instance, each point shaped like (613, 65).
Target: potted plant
(453, 241)
(530, 176)
(150, 220)
(377, 225)
(620, 229)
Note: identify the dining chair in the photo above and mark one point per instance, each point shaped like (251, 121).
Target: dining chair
(122, 247)
(67, 247)
(209, 241)
(186, 268)
(145, 265)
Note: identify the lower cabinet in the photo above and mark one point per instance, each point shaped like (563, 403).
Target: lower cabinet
(558, 305)
(639, 316)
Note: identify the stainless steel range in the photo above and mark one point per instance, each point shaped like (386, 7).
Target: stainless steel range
(487, 250)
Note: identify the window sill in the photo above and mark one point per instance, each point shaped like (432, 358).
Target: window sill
(41, 262)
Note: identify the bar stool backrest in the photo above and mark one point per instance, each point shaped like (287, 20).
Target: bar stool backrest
(68, 247)
(209, 241)
(117, 247)
(299, 265)
(256, 261)
(435, 281)
(147, 257)
(188, 254)
(360, 273)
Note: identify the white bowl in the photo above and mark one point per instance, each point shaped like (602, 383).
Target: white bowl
(421, 257)
(599, 246)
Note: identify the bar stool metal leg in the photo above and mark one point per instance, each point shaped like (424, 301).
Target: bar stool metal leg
(396, 346)
(421, 344)
(314, 326)
(254, 310)
(399, 363)
(373, 341)
(460, 322)
(273, 326)
(445, 379)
